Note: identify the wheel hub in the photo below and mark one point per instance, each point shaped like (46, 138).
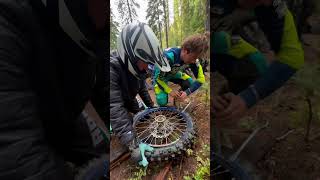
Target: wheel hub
(161, 127)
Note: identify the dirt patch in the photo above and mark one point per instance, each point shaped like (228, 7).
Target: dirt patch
(293, 159)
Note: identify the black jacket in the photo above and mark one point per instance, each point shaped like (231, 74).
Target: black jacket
(45, 82)
(124, 87)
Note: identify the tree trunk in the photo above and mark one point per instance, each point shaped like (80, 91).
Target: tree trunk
(130, 15)
(165, 21)
(160, 34)
(159, 24)
(207, 25)
(168, 16)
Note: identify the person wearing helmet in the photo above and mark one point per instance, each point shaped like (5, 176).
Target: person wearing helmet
(180, 59)
(252, 75)
(137, 48)
(50, 52)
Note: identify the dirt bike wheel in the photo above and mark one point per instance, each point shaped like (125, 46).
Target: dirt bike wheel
(168, 130)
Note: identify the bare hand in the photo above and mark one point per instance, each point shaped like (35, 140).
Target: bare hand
(174, 94)
(183, 95)
(227, 109)
(219, 104)
(235, 110)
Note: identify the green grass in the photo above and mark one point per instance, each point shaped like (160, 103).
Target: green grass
(139, 173)
(203, 165)
(248, 123)
(206, 92)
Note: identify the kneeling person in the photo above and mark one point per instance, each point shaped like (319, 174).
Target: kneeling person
(180, 59)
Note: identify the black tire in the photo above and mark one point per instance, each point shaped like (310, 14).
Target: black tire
(174, 150)
(96, 169)
(234, 170)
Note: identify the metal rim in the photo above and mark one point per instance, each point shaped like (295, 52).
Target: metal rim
(161, 128)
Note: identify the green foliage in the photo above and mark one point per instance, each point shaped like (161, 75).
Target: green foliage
(193, 17)
(248, 123)
(127, 10)
(189, 152)
(141, 172)
(154, 14)
(203, 165)
(203, 171)
(308, 79)
(187, 178)
(166, 19)
(206, 88)
(189, 18)
(114, 25)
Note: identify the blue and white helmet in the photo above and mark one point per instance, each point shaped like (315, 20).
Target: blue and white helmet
(138, 42)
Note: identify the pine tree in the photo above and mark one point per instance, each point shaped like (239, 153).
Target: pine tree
(114, 31)
(166, 19)
(127, 10)
(154, 17)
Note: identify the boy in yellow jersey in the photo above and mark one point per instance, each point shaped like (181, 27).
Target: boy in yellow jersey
(179, 59)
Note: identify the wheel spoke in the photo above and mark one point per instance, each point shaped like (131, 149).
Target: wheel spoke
(141, 132)
(141, 127)
(152, 139)
(178, 123)
(217, 168)
(175, 120)
(222, 172)
(166, 140)
(176, 134)
(169, 138)
(179, 130)
(146, 137)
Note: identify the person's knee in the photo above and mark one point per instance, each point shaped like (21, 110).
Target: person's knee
(162, 99)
